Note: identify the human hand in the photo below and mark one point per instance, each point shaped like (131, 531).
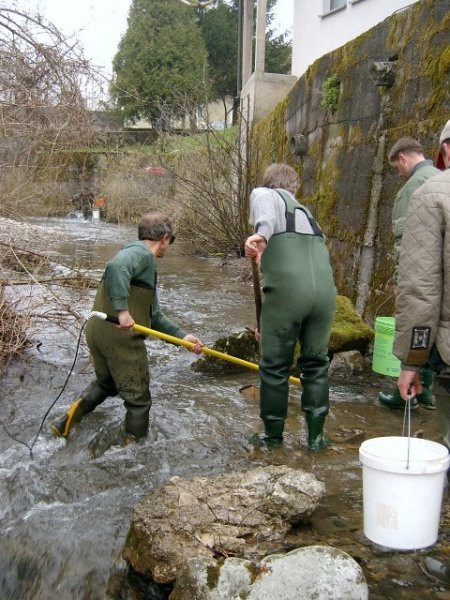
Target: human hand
(126, 321)
(257, 335)
(409, 384)
(254, 246)
(194, 340)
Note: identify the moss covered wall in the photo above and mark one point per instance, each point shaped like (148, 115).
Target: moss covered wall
(337, 172)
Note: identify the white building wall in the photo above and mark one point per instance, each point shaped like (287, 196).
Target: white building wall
(318, 30)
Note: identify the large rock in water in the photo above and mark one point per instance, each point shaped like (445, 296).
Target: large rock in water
(319, 572)
(349, 332)
(240, 345)
(239, 514)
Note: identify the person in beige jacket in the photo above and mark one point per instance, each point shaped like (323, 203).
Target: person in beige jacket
(423, 301)
(423, 290)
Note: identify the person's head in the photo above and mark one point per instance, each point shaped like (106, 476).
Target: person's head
(156, 228)
(280, 175)
(443, 157)
(405, 154)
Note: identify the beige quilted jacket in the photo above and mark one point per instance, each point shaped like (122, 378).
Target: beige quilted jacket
(423, 291)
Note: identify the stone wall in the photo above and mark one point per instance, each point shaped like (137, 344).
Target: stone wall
(340, 150)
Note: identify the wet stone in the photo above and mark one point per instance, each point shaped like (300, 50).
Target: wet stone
(305, 573)
(239, 514)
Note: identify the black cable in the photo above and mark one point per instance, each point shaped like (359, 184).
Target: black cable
(30, 448)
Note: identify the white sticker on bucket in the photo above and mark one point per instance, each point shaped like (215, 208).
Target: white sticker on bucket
(387, 516)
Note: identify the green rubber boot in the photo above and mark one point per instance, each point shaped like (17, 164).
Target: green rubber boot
(394, 400)
(273, 437)
(443, 408)
(425, 399)
(61, 427)
(136, 422)
(316, 439)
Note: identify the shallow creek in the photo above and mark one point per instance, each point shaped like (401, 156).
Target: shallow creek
(65, 513)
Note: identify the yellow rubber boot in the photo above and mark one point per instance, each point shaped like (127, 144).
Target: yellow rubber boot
(61, 427)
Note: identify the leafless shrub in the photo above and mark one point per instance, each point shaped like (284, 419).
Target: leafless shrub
(13, 331)
(33, 289)
(43, 111)
(212, 181)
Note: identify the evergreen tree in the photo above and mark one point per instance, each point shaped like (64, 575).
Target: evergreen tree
(161, 61)
(219, 25)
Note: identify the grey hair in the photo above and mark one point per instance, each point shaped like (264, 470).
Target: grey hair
(280, 175)
(154, 226)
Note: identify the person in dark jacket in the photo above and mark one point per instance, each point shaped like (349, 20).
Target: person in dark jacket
(408, 158)
(128, 291)
(299, 298)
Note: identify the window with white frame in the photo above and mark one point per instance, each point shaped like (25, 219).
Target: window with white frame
(332, 5)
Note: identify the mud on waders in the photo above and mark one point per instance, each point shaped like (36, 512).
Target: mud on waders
(123, 353)
(299, 304)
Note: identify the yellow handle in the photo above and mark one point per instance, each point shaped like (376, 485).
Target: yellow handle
(204, 349)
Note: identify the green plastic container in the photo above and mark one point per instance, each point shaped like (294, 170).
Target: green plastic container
(384, 362)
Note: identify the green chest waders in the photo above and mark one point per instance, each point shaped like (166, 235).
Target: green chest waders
(120, 363)
(298, 304)
(120, 357)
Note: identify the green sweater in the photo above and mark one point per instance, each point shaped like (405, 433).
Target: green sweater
(135, 267)
(421, 172)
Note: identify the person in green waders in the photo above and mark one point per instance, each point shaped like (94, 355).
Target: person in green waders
(127, 291)
(299, 298)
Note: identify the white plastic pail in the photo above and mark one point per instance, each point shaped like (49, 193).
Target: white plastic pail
(402, 506)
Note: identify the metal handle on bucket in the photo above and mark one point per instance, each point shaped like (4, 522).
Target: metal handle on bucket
(407, 417)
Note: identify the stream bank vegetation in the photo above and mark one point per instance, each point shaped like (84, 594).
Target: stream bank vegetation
(44, 113)
(48, 139)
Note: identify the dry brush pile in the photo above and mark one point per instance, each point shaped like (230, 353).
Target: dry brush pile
(32, 287)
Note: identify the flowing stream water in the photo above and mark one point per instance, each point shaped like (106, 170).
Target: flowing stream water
(65, 512)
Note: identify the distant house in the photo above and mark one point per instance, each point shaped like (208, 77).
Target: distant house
(324, 25)
(216, 115)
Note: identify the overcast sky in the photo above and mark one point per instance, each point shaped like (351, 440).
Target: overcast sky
(99, 24)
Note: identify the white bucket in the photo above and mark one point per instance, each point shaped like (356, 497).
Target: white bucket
(95, 215)
(402, 506)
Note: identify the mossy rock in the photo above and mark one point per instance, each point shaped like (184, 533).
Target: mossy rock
(349, 331)
(241, 345)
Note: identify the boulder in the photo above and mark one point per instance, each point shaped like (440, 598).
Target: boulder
(319, 572)
(239, 514)
(241, 345)
(349, 332)
(348, 365)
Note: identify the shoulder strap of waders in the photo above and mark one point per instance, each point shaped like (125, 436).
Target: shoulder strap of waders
(291, 206)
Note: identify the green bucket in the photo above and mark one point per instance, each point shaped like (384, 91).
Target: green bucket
(384, 362)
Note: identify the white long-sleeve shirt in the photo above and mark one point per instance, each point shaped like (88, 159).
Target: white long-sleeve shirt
(268, 213)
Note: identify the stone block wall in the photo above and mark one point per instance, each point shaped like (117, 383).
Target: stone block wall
(392, 81)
